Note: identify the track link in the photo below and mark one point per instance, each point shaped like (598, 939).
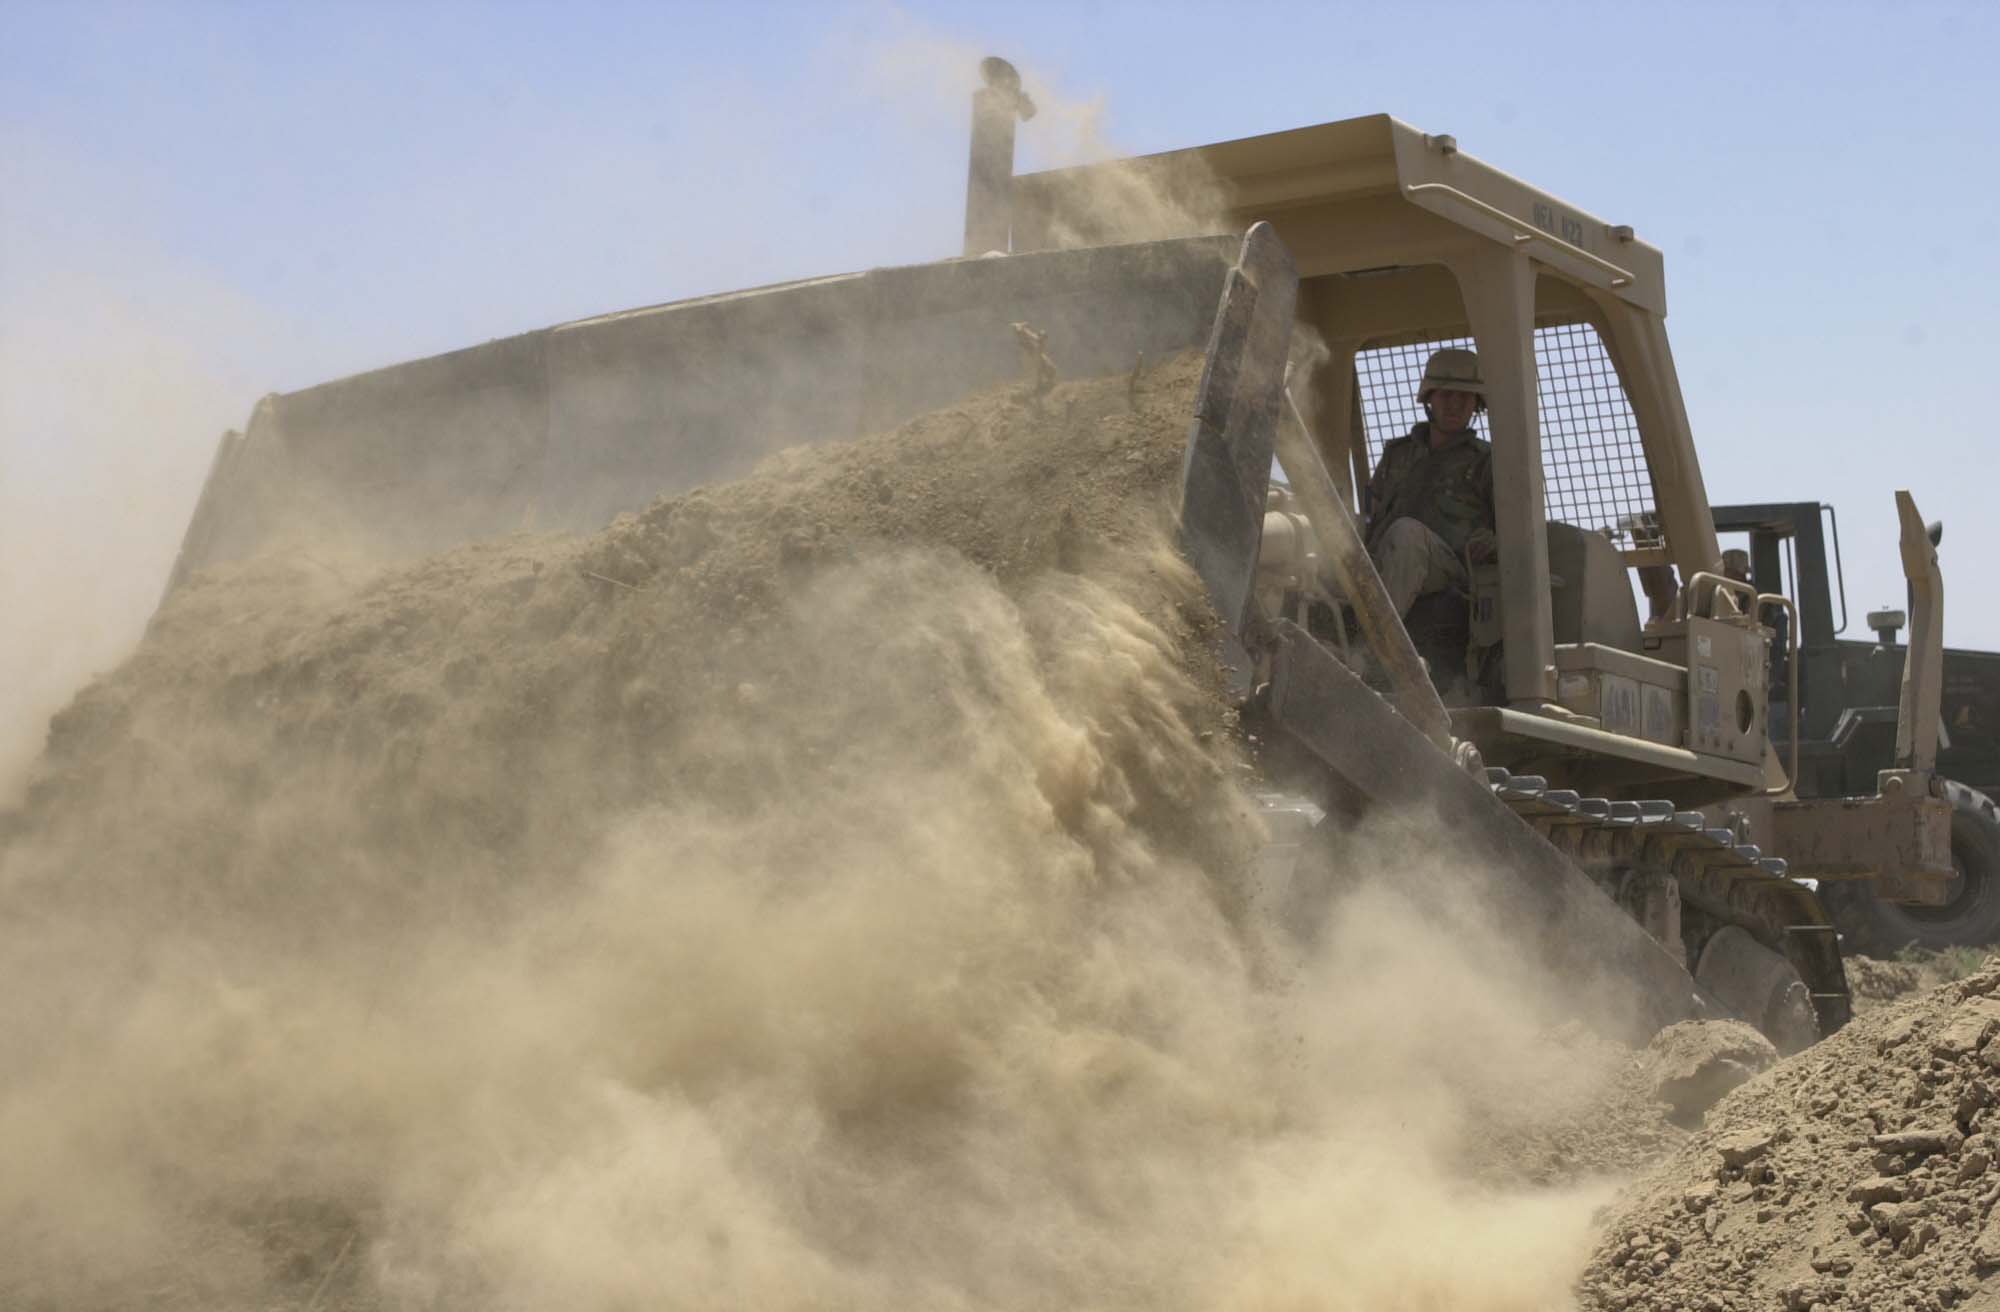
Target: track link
(1730, 883)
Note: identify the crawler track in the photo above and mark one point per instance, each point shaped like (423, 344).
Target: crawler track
(1618, 844)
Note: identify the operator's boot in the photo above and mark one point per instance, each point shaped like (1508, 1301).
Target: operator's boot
(1440, 628)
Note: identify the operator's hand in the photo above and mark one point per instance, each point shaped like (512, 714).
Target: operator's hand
(1479, 550)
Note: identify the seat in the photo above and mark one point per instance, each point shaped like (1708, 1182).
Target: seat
(1590, 590)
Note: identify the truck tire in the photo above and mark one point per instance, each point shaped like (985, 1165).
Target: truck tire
(1970, 919)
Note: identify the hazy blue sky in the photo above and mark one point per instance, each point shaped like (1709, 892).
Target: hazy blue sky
(204, 202)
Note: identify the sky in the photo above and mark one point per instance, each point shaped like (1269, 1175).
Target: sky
(202, 203)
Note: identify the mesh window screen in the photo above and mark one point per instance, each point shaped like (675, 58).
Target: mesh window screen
(1592, 462)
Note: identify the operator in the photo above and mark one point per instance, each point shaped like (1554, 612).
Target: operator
(1736, 565)
(1430, 501)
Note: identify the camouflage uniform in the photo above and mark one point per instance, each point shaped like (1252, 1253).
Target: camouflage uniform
(1425, 509)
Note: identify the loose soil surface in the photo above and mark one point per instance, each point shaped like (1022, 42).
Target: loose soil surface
(1876, 984)
(1857, 1174)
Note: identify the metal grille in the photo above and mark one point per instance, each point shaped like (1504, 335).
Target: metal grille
(1592, 463)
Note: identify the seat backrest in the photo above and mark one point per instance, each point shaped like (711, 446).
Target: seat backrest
(1590, 592)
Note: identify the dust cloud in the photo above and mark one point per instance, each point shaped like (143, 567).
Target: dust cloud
(930, 75)
(98, 402)
(109, 413)
(834, 889)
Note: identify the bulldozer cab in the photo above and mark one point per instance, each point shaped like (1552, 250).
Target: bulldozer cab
(1405, 243)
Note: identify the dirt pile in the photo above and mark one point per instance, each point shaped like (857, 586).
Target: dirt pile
(1875, 983)
(467, 690)
(1878, 983)
(1859, 1174)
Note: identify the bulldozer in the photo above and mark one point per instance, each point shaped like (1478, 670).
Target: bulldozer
(1618, 773)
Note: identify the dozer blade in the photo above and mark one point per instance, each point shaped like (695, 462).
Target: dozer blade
(1340, 537)
(1541, 899)
(564, 427)
(1230, 444)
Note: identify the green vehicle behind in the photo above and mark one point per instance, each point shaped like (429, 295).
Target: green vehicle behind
(1848, 692)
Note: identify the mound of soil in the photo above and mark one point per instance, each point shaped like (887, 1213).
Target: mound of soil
(1859, 1174)
(501, 699)
(1874, 983)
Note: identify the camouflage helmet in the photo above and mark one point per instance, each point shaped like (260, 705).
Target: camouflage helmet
(1452, 369)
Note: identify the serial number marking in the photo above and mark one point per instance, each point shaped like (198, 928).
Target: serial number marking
(1552, 220)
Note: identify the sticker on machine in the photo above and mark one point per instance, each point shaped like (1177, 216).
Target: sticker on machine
(1618, 704)
(1657, 709)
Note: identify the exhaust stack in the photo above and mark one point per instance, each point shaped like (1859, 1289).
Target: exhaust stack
(989, 183)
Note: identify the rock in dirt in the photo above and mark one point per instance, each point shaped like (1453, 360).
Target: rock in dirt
(1986, 1249)
(1982, 982)
(1877, 1189)
(1921, 1142)
(1746, 1146)
(1694, 1063)
(1971, 1025)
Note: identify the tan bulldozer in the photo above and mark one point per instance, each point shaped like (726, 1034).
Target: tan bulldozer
(1616, 769)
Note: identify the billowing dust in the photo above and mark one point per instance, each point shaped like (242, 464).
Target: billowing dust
(95, 483)
(834, 889)
(930, 73)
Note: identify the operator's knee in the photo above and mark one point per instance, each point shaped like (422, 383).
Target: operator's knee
(1405, 534)
(1409, 545)
(1413, 560)
(1402, 559)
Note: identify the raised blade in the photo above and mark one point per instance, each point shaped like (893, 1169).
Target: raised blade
(564, 427)
(1923, 662)
(1415, 695)
(1541, 899)
(1228, 466)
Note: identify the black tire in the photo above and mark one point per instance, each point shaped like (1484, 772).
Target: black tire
(1970, 919)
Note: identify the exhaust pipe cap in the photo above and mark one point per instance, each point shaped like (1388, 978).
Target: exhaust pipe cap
(1003, 77)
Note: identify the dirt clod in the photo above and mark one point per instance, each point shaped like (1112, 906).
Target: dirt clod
(1694, 1063)
(1745, 1146)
